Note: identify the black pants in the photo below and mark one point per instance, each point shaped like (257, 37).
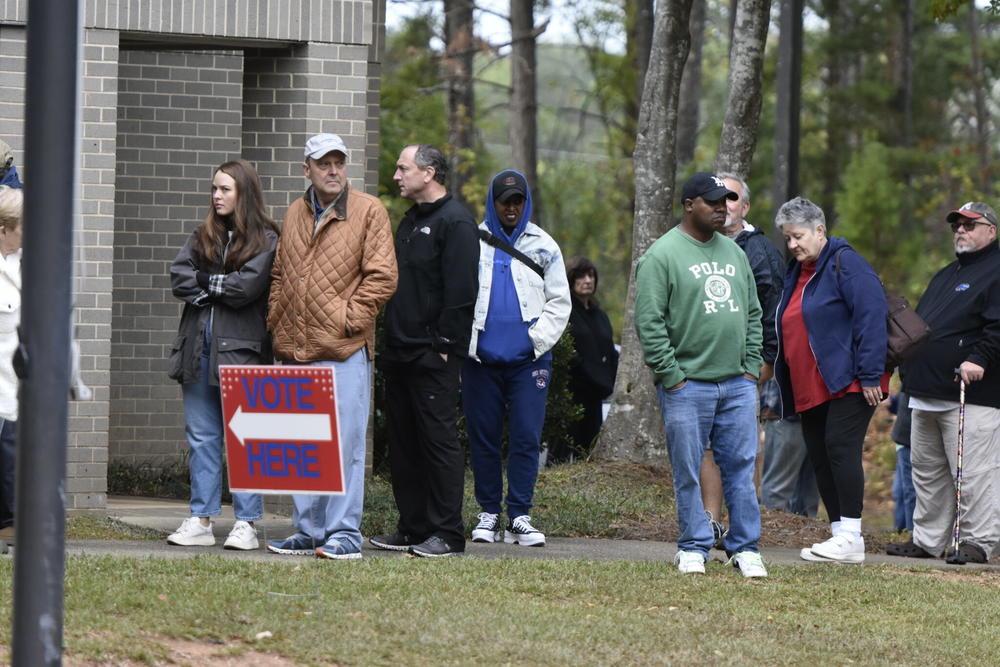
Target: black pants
(583, 432)
(425, 458)
(835, 437)
(8, 470)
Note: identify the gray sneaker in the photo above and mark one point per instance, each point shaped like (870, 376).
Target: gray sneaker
(719, 532)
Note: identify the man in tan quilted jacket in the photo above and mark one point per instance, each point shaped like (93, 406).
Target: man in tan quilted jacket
(335, 267)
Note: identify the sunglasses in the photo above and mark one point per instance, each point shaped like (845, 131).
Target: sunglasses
(968, 225)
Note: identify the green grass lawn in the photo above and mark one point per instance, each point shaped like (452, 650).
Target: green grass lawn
(472, 611)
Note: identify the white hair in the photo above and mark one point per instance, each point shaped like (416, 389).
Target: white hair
(800, 212)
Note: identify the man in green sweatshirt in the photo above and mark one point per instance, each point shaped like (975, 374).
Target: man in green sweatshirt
(698, 318)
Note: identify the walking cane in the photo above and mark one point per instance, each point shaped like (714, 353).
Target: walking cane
(955, 557)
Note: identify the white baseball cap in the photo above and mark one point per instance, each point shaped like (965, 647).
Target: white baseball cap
(321, 144)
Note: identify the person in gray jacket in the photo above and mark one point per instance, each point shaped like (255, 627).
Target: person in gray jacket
(222, 274)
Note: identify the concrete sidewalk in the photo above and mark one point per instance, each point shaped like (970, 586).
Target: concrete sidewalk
(166, 515)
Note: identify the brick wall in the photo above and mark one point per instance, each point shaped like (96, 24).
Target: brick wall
(87, 457)
(292, 94)
(178, 118)
(87, 441)
(337, 21)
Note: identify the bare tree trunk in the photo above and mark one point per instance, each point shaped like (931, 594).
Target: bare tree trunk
(634, 430)
(733, 4)
(982, 115)
(688, 115)
(837, 79)
(746, 79)
(640, 35)
(906, 77)
(458, 62)
(788, 107)
(523, 98)
(904, 107)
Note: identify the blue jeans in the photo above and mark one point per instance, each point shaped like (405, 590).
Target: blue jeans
(904, 496)
(489, 393)
(788, 482)
(339, 517)
(204, 429)
(725, 413)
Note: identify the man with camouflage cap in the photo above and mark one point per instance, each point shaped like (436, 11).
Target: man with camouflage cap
(962, 308)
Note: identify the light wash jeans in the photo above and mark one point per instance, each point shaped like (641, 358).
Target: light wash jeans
(339, 517)
(725, 413)
(904, 496)
(788, 482)
(206, 439)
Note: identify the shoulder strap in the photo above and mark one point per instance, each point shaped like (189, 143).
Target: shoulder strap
(491, 239)
(836, 261)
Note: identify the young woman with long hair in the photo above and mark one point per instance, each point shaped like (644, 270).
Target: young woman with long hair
(222, 274)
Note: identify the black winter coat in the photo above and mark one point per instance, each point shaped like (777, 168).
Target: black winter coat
(437, 253)
(596, 362)
(962, 308)
(238, 315)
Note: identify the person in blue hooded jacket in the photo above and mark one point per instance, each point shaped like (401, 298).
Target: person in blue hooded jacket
(521, 311)
(830, 366)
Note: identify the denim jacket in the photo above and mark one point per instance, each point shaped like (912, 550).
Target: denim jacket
(546, 301)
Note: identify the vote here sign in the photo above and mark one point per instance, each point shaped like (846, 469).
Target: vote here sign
(281, 429)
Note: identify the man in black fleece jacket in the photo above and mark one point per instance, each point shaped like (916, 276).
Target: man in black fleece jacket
(428, 323)
(962, 308)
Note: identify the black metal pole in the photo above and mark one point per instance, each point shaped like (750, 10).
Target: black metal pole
(50, 149)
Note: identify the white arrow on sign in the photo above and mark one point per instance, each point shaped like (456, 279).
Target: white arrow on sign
(280, 426)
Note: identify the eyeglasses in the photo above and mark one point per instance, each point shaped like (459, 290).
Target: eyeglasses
(969, 225)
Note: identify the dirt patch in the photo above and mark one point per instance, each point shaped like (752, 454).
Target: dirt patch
(204, 653)
(778, 529)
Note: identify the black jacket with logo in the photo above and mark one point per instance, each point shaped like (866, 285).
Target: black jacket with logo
(437, 251)
(962, 308)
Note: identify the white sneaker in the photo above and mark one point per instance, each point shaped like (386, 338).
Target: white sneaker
(806, 554)
(690, 562)
(192, 534)
(749, 563)
(243, 536)
(488, 529)
(520, 531)
(841, 548)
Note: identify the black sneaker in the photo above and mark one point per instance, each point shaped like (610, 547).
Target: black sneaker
(488, 529)
(395, 542)
(435, 547)
(520, 531)
(908, 550)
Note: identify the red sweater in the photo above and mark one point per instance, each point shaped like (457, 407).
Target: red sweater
(808, 386)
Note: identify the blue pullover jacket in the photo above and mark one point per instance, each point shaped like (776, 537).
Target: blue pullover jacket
(505, 339)
(845, 318)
